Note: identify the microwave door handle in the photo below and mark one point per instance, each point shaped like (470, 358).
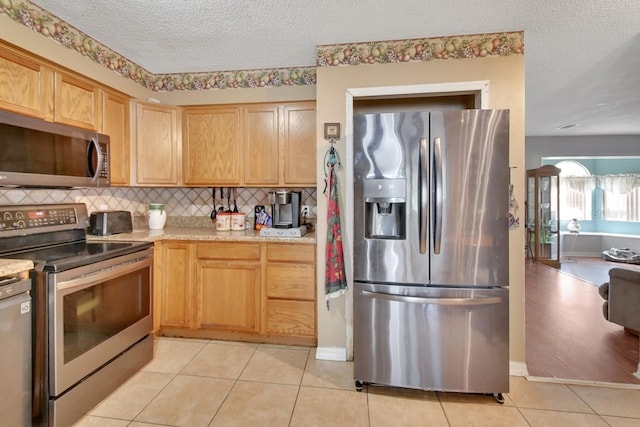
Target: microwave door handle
(423, 196)
(94, 145)
(438, 188)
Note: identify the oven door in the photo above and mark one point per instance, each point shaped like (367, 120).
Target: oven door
(96, 312)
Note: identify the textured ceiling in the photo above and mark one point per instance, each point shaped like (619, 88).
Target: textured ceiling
(582, 56)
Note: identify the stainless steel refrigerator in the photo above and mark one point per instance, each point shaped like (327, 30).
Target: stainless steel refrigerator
(431, 261)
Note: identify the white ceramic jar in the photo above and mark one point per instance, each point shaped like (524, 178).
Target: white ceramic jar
(157, 216)
(223, 221)
(238, 221)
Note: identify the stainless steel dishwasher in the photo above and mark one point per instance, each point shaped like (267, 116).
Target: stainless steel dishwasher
(15, 357)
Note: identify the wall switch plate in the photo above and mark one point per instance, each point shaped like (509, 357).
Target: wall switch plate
(305, 210)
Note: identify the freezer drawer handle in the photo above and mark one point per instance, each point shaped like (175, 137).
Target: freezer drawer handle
(438, 301)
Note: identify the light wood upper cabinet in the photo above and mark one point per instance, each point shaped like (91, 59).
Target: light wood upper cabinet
(26, 86)
(157, 145)
(212, 146)
(250, 144)
(299, 145)
(77, 102)
(261, 144)
(175, 298)
(115, 123)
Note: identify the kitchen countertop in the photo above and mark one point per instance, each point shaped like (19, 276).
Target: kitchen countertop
(201, 234)
(9, 267)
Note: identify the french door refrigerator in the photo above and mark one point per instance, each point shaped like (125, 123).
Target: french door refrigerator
(431, 275)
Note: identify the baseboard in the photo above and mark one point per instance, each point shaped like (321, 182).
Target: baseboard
(338, 354)
(569, 381)
(518, 369)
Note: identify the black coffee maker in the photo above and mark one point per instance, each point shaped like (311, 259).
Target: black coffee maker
(285, 208)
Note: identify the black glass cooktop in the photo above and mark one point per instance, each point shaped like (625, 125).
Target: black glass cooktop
(63, 257)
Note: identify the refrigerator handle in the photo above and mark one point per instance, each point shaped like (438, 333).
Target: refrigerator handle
(437, 216)
(438, 301)
(423, 162)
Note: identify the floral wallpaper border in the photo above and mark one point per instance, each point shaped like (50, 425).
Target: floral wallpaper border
(424, 49)
(380, 52)
(48, 25)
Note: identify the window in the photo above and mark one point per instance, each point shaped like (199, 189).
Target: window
(576, 189)
(620, 197)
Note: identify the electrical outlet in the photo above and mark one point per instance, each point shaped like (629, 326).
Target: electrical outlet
(305, 210)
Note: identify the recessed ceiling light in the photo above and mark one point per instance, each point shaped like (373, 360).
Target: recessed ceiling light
(569, 125)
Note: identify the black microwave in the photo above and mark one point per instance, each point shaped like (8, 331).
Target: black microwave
(37, 153)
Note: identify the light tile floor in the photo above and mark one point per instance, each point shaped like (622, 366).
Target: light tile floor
(216, 383)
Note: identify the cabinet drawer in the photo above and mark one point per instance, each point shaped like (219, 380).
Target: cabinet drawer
(291, 252)
(291, 317)
(291, 281)
(228, 251)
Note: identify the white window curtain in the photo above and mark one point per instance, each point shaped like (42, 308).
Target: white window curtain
(619, 184)
(576, 195)
(621, 197)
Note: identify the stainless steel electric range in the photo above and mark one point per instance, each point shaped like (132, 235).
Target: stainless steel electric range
(92, 308)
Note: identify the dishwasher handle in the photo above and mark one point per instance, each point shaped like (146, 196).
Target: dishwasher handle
(437, 301)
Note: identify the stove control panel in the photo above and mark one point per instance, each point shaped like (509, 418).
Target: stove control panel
(20, 219)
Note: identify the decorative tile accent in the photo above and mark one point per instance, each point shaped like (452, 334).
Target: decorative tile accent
(179, 202)
(48, 25)
(426, 49)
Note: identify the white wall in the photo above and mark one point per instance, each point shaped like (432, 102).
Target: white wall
(537, 147)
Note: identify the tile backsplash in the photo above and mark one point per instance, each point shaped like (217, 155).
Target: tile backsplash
(179, 202)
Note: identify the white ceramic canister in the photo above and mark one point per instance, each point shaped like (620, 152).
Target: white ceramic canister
(238, 221)
(223, 221)
(157, 216)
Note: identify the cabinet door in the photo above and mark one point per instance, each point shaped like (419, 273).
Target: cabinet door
(261, 138)
(291, 317)
(212, 146)
(156, 145)
(77, 102)
(299, 145)
(25, 85)
(115, 123)
(228, 295)
(176, 279)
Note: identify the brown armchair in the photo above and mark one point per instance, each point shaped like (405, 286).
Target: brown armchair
(622, 295)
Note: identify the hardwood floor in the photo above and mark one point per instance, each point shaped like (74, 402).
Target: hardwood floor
(566, 335)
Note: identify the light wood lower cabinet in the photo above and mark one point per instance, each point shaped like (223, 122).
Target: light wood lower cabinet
(286, 317)
(228, 295)
(260, 292)
(176, 284)
(290, 290)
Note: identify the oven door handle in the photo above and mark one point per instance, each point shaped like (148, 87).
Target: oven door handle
(89, 280)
